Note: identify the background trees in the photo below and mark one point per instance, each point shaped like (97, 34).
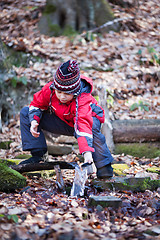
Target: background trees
(74, 15)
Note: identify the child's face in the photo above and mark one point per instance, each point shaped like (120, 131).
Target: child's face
(63, 97)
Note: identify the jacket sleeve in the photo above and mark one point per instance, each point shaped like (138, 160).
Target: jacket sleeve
(83, 123)
(40, 103)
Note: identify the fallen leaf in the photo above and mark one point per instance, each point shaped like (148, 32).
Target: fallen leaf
(6, 226)
(17, 210)
(74, 203)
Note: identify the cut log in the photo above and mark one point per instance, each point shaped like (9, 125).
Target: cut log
(31, 167)
(130, 131)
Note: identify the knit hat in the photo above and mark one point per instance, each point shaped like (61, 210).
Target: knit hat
(67, 78)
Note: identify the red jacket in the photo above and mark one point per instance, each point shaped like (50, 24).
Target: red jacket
(77, 113)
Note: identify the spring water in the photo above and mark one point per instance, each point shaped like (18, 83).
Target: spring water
(80, 179)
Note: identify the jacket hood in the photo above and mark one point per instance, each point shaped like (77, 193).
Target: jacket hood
(86, 84)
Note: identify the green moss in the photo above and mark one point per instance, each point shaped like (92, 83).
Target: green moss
(50, 8)
(23, 156)
(138, 149)
(54, 29)
(154, 184)
(154, 170)
(8, 162)
(69, 31)
(10, 179)
(118, 169)
(30, 8)
(138, 184)
(103, 12)
(5, 144)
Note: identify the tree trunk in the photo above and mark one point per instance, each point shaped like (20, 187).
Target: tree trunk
(74, 15)
(5, 69)
(12, 87)
(130, 131)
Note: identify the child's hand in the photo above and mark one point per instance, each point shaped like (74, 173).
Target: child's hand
(88, 157)
(33, 129)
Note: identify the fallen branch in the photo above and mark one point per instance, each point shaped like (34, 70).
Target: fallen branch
(31, 167)
(107, 24)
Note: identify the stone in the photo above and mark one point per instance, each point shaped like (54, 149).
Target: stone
(59, 149)
(99, 208)
(153, 231)
(127, 183)
(105, 201)
(66, 139)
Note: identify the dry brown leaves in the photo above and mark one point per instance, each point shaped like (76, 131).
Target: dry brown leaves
(43, 213)
(121, 63)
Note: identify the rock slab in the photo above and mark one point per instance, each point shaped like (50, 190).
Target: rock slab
(105, 201)
(127, 183)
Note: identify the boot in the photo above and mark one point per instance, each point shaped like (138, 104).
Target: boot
(105, 172)
(37, 156)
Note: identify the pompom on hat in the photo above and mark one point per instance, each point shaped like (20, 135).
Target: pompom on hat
(67, 78)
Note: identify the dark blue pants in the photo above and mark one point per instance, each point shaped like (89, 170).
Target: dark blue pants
(53, 124)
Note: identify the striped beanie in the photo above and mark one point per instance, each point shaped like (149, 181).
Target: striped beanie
(67, 78)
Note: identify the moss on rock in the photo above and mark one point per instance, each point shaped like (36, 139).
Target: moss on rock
(139, 184)
(23, 156)
(10, 179)
(5, 144)
(124, 183)
(8, 162)
(118, 169)
(154, 170)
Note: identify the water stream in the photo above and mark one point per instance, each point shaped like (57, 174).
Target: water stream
(79, 182)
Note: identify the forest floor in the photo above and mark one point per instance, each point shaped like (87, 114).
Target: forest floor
(127, 64)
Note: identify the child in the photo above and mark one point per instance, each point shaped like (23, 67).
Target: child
(66, 106)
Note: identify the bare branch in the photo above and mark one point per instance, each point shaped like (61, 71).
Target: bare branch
(107, 24)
